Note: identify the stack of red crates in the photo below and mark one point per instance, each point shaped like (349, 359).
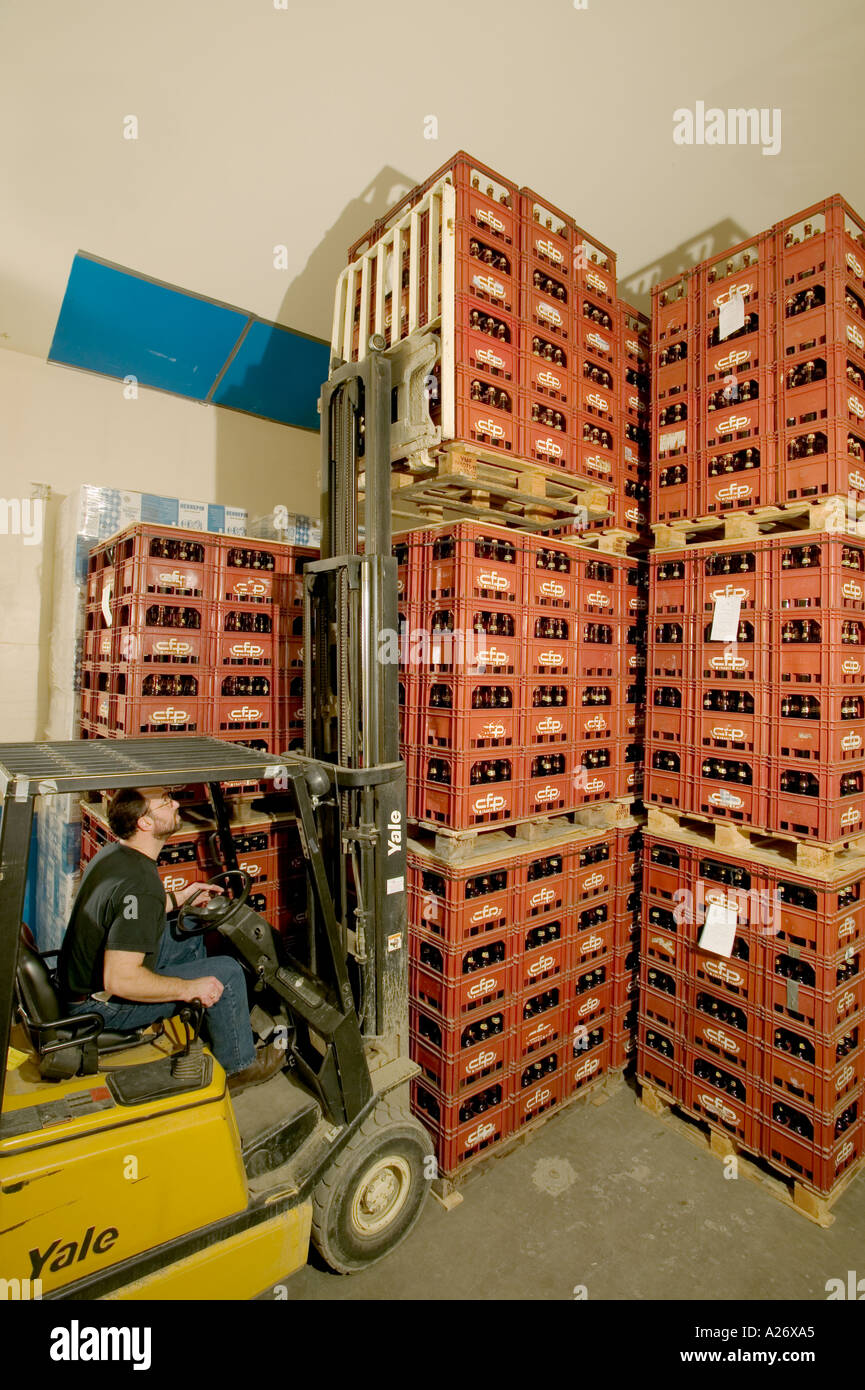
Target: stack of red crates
(541, 371)
(522, 660)
(767, 730)
(767, 1044)
(523, 973)
(196, 633)
(758, 371)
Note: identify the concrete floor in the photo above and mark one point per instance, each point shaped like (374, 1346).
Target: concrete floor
(614, 1199)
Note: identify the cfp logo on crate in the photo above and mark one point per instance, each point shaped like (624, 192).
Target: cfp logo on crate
(540, 1097)
(734, 424)
(172, 882)
(586, 1068)
(244, 712)
(851, 817)
(595, 281)
(721, 1039)
(549, 448)
(245, 649)
(492, 657)
(635, 515)
(727, 295)
(490, 427)
(543, 1030)
(727, 801)
(720, 971)
(843, 1153)
(102, 709)
(728, 662)
(633, 347)
(728, 591)
(593, 398)
(719, 1108)
(634, 402)
(170, 715)
(600, 465)
(483, 1059)
(850, 667)
(542, 965)
(595, 725)
(639, 605)
(593, 881)
(177, 578)
(727, 732)
(599, 599)
(485, 985)
(855, 336)
(594, 784)
(493, 731)
(484, 1131)
(847, 927)
(548, 379)
(550, 314)
(855, 406)
(847, 1000)
(486, 913)
(857, 480)
(850, 742)
(665, 944)
(487, 358)
(731, 359)
(552, 658)
(491, 579)
(851, 589)
(490, 285)
(552, 589)
(542, 897)
(844, 1077)
(733, 491)
(854, 264)
(172, 646)
(549, 725)
(592, 1003)
(490, 802)
(548, 250)
(250, 867)
(249, 588)
(546, 794)
(590, 944)
(490, 220)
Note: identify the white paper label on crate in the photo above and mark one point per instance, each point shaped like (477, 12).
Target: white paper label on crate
(395, 885)
(725, 621)
(731, 316)
(675, 439)
(719, 930)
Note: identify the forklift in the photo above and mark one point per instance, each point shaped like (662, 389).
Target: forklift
(127, 1170)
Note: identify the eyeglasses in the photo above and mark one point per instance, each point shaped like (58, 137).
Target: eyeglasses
(166, 800)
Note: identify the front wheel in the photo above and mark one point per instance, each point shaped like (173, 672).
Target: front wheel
(373, 1193)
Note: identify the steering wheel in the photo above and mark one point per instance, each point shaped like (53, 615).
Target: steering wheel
(216, 912)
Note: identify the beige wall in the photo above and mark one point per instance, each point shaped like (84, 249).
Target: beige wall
(63, 428)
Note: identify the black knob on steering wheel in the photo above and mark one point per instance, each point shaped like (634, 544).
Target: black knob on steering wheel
(216, 912)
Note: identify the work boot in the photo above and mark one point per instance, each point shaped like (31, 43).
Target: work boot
(268, 1061)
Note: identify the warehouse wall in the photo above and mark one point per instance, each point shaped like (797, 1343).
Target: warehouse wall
(64, 428)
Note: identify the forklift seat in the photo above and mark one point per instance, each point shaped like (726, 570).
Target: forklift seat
(69, 1046)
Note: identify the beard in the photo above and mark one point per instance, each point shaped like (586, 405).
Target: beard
(164, 831)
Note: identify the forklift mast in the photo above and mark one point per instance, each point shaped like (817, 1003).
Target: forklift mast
(351, 698)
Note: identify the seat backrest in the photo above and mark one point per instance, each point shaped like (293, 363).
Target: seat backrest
(35, 985)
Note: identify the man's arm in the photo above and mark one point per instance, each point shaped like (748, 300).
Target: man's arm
(125, 975)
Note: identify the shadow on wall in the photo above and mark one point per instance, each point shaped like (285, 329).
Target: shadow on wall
(307, 305)
(636, 288)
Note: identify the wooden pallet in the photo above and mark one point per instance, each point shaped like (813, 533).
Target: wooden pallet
(816, 1206)
(804, 516)
(763, 846)
(508, 841)
(467, 482)
(445, 1189)
(463, 844)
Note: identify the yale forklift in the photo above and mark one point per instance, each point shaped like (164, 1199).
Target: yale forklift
(127, 1171)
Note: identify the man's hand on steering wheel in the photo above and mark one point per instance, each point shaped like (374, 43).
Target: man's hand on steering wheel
(201, 912)
(206, 890)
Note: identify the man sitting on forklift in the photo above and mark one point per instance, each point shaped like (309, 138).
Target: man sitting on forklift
(119, 958)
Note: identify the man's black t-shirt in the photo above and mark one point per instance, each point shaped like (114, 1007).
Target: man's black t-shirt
(120, 904)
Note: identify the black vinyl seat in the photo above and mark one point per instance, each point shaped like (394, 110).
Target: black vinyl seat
(65, 1046)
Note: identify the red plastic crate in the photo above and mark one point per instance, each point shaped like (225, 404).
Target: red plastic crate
(543, 883)
(459, 640)
(826, 815)
(593, 880)
(546, 381)
(540, 1097)
(666, 723)
(457, 1063)
(801, 1085)
(601, 587)
(593, 946)
(542, 964)
(744, 660)
(824, 572)
(736, 721)
(823, 1009)
(463, 804)
(830, 924)
(250, 571)
(740, 979)
(551, 644)
(597, 723)
(819, 385)
(550, 780)
(143, 632)
(476, 716)
(543, 313)
(662, 1069)
(588, 1005)
(132, 716)
(484, 270)
(552, 449)
(812, 1166)
(456, 963)
(668, 775)
(672, 583)
(671, 648)
(674, 490)
(722, 1043)
(546, 232)
(459, 1142)
(480, 989)
(462, 903)
(550, 579)
(487, 342)
(478, 423)
(542, 1017)
(738, 571)
(548, 712)
(720, 1110)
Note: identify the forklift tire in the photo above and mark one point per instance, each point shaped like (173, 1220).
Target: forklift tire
(373, 1193)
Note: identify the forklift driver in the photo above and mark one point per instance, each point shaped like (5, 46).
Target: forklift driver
(119, 959)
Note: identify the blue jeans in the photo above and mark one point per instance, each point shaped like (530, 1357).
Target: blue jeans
(226, 1021)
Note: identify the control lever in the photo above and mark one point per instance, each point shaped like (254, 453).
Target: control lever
(188, 1066)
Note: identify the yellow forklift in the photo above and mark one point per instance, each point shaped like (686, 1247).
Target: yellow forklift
(127, 1171)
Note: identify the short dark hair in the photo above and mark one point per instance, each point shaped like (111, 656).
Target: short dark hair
(124, 809)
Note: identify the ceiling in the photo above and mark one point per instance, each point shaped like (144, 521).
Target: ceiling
(262, 127)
